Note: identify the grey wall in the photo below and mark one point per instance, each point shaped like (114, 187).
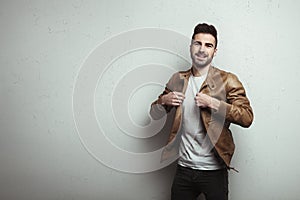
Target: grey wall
(44, 46)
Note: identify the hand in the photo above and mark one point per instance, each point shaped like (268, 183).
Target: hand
(204, 101)
(172, 99)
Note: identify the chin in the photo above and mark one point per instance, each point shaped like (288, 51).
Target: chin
(200, 64)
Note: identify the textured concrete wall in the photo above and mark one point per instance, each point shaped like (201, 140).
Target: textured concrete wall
(47, 150)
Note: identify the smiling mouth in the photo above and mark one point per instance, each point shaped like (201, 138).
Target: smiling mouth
(200, 57)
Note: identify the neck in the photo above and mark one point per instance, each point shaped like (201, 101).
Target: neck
(199, 71)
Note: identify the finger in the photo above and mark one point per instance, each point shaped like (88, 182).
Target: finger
(200, 105)
(179, 98)
(199, 102)
(199, 94)
(175, 104)
(197, 98)
(179, 94)
(179, 101)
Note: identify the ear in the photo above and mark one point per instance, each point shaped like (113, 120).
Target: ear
(215, 52)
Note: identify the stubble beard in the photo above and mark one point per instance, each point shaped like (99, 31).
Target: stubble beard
(201, 64)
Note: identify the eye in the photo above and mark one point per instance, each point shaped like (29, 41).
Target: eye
(196, 44)
(209, 45)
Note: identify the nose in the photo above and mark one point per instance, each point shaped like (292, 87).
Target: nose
(201, 48)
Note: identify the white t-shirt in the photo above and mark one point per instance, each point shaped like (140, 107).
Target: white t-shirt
(196, 150)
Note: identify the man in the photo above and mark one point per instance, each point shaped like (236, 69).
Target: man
(206, 101)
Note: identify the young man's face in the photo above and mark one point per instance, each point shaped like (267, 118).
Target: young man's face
(203, 49)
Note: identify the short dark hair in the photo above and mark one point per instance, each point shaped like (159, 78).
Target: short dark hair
(205, 28)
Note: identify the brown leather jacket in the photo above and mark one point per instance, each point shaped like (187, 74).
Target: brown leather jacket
(234, 108)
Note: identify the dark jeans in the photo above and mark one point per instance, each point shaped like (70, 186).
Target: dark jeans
(189, 183)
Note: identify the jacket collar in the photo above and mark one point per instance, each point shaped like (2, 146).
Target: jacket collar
(209, 81)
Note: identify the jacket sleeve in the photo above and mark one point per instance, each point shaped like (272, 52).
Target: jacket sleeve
(237, 108)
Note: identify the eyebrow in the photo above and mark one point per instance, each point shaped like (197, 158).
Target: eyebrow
(206, 44)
